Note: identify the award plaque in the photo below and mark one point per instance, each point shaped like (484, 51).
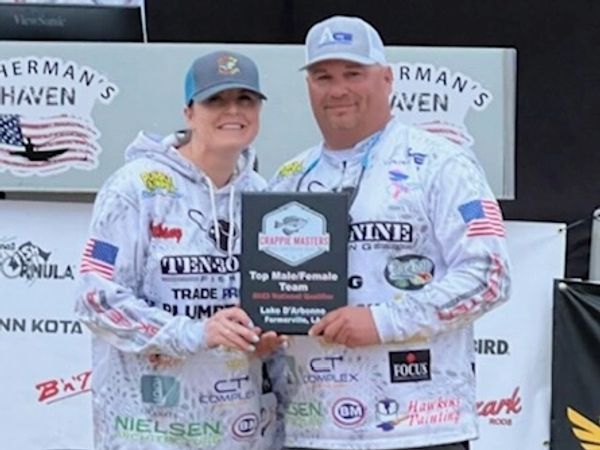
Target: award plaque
(294, 260)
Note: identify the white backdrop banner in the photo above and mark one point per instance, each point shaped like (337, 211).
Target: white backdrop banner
(514, 344)
(45, 351)
(68, 110)
(46, 403)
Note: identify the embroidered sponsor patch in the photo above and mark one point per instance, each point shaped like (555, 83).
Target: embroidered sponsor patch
(291, 168)
(160, 390)
(348, 412)
(410, 366)
(158, 183)
(409, 272)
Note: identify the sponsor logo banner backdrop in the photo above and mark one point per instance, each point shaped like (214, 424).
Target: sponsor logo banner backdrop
(575, 393)
(45, 351)
(513, 344)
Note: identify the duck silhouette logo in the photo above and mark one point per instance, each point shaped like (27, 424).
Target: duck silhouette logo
(584, 429)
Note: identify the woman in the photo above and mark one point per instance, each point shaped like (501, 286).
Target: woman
(175, 362)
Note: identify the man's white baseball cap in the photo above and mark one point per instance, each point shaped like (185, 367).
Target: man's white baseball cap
(346, 38)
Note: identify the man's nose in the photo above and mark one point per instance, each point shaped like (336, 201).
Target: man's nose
(338, 89)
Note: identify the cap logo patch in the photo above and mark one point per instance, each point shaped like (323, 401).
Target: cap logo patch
(339, 37)
(228, 65)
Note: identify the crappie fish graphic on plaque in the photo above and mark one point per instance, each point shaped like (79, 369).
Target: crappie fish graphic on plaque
(437, 100)
(46, 124)
(291, 224)
(294, 234)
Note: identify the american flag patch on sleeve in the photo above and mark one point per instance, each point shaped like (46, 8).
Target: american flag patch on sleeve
(483, 218)
(99, 257)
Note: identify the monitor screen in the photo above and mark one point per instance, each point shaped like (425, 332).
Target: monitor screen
(62, 22)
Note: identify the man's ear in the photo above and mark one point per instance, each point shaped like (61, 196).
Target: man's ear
(389, 75)
(388, 79)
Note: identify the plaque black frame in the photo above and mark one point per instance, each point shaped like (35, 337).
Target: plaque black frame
(264, 291)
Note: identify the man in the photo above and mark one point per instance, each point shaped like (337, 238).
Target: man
(427, 256)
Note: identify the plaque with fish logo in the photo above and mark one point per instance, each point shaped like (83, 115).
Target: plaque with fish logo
(294, 259)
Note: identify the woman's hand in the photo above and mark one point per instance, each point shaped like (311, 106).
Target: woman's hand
(232, 328)
(269, 342)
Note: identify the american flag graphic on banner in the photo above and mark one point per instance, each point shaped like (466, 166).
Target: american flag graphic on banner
(454, 133)
(47, 145)
(483, 218)
(99, 257)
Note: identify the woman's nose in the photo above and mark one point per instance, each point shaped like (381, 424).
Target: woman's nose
(232, 107)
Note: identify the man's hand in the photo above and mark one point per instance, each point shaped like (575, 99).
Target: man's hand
(352, 326)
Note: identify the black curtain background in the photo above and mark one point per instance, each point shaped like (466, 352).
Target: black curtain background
(575, 365)
(558, 94)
